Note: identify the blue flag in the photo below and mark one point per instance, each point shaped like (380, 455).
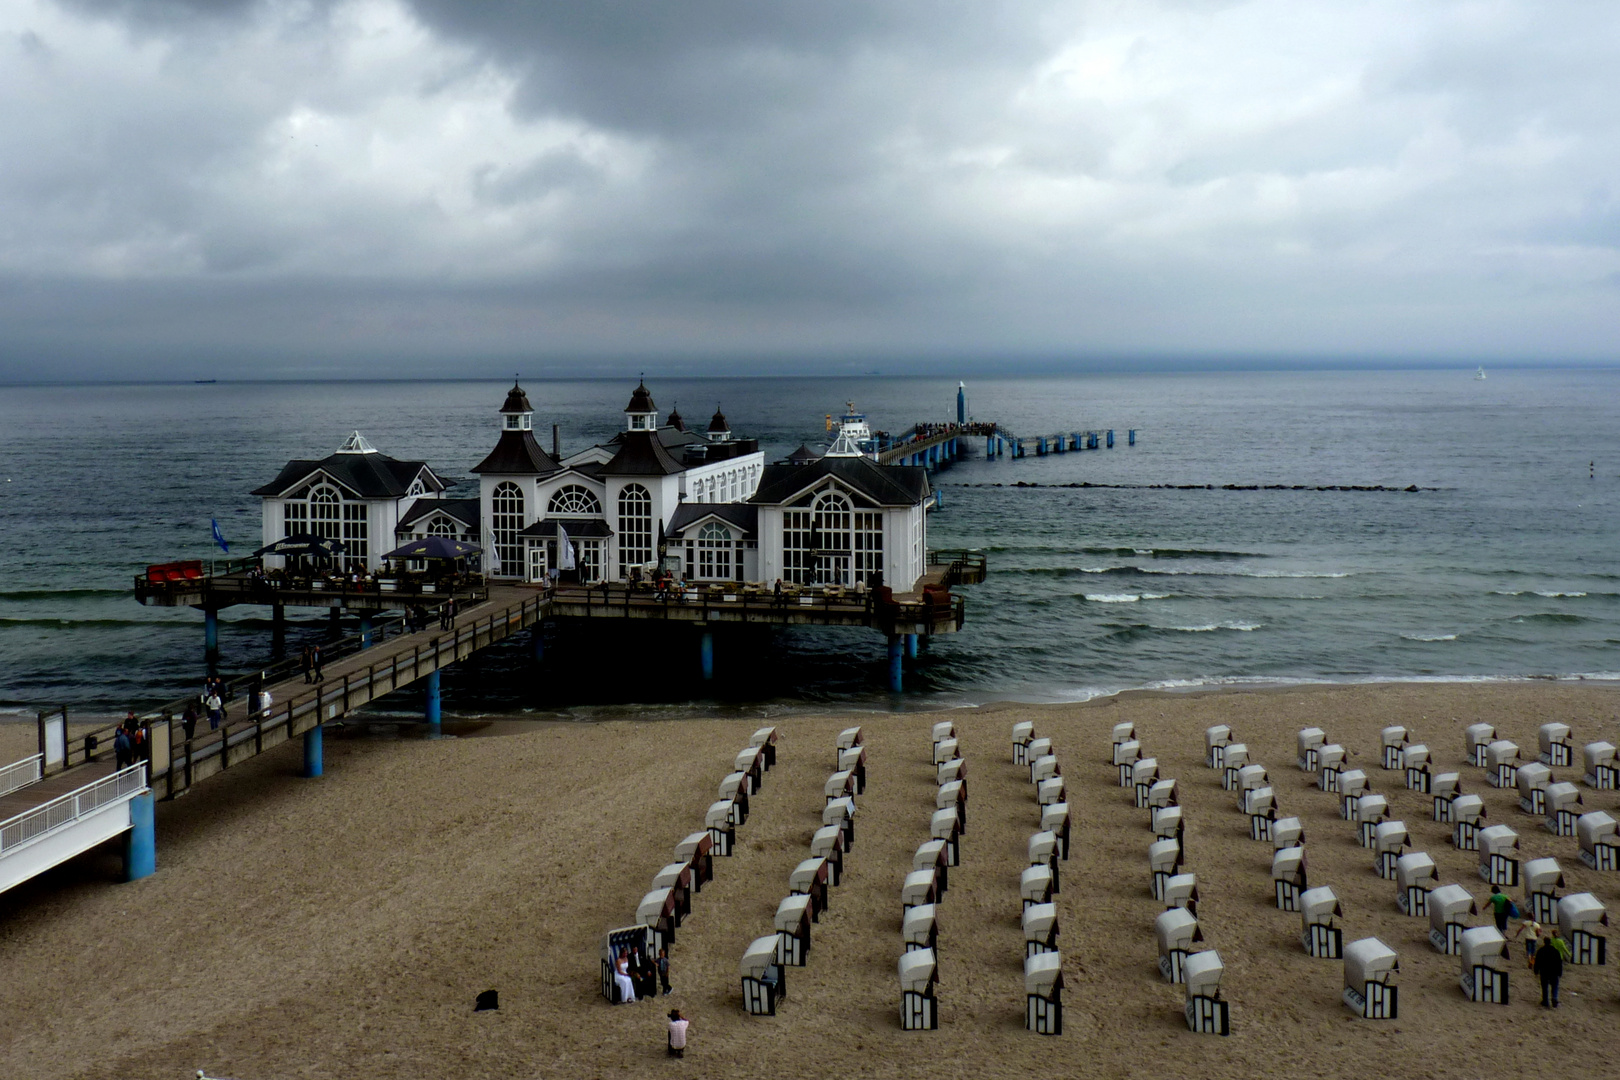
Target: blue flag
(219, 537)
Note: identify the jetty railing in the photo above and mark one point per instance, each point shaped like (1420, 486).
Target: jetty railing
(21, 773)
(962, 566)
(611, 598)
(66, 809)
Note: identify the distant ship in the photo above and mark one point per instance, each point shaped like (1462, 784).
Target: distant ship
(1480, 374)
(854, 433)
(204, 382)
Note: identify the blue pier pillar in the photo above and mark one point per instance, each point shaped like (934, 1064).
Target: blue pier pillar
(1110, 438)
(1091, 441)
(314, 758)
(911, 646)
(990, 448)
(1131, 437)
(961, 403)
(365, 631)
(538, 645)
(896, 665)
(211, 639)
(140, 843)
(431, 712)
(706, 654)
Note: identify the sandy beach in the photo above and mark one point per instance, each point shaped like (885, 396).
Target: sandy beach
(342, 927)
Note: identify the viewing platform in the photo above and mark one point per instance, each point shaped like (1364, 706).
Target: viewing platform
(242, 581)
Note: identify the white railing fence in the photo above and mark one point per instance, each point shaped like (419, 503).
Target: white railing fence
(20, 774)
(32, 824)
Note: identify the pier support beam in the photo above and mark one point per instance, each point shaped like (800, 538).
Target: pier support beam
(335, 622)
(911, 646)
(278, 631)
(706, 654)
(896, 666)
(537, 646)
(431, 710)
(211, 640)
(365, 631)
(314, 757)
(140, 843)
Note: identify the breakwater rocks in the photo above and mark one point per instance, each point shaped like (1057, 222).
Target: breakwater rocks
(1207, 487)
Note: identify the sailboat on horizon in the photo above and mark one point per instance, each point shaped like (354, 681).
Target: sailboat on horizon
(1480, 374)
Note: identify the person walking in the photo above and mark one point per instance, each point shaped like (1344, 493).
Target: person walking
(216, 710)
(308, 664)
(1533, 929)
(188, 720)
(1549, 965)
(315, 659)
(1502, 908)
(663, 968)
(677, 1033)
(121, 748)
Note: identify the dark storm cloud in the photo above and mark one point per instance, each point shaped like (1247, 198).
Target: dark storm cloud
(295, 185)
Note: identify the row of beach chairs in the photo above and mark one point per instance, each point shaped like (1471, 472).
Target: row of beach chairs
(764, 962)
(1039, 882)
(667, 905)
(927, 882)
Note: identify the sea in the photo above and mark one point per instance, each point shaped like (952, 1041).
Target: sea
(1267, 528)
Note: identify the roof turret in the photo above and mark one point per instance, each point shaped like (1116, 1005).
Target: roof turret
(717, 423)
(641, 400)
(516, 400)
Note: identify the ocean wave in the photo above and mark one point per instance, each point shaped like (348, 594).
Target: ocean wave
(1538, 592)
(1430, 637)
(1124, 598)
(1554, 618)
(1206, 628)
(1171, 553)
(27, 595)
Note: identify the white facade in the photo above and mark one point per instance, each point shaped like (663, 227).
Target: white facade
(849, 527)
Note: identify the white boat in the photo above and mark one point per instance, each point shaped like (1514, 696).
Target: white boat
(854, 432)
(1480, 374)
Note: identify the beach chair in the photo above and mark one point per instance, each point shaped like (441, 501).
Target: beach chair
(1329, 766)
(1216, 740)
(1415, 877)
(1542, 880)
(1444, 787)
(1600, 768)
(1287, 832)
(1467, 818)
(1040, 923)
(1144, 774)
(1176, 930)
(839, 785)
(614, 944)
(853, 761)
(1415, 760)
(1055, 820)
(1205, 1010)
(1249, 777)
(945, 826)
(945, 750)
(919, 1008)
(722, 828)
(765, 739)
(1310, 741)
(1599, 836)
(1580, 916)
(1484, 954)
(1051, 791)
(677, 878)
(763, 980)
(1262, 807)
(1499, 856)
(1475, 739)
(1449, 908)
(1127, 754)
(1532, 780)
(1037, 748)
(1236, 756)
(827, 843)
(1044, 768)
(849, 737)
(1181, 891)
(657, 913)
(793, 930)
(1563, 808)
(1043, 993)
(1163, 793)
(937, 854)
(947, 771)
(919, 929)
(1035, 885)
(1164, 858)
(734, 789)
(1367, 812)
(1389, 839)
(1501, 763)
(697, 850)
(1394, 740)
(953, 793)
(1318, 908)
(1123, 733)
(1044, 849)
(1557, 748)
(1369, 965)
(919, 887)
(1167, 824)
(1022, 735)
(942, 731)
(810, 878)
(752, 763)
(841, 812)
(1352, 786)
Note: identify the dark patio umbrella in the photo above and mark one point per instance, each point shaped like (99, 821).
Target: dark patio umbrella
(303, 544)
(434, 547)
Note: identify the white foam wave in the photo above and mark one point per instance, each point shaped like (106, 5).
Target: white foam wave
(1536, 592)
(1113, 598)
(1208, 627)
(1430, 637)
(1241, 573)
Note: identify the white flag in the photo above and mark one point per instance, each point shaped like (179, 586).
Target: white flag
(565, 549)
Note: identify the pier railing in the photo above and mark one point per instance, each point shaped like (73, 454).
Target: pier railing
(48, 817)
(609, 599)
(962, 566)
(21, 773)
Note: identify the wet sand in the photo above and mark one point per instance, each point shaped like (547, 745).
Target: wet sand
(342, 927)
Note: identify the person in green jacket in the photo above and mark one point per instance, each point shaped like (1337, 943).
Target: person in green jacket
(1501, 907)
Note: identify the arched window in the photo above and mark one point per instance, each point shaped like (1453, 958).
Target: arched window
(575, 501)
(506, 521)
(830, 532)
(441, 526)
(635, 527)
(325, 512)
(714, 552)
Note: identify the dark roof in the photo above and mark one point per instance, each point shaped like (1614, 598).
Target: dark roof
(802, 456)
(578, 528)
(517, 452)
(641, 400)
(370, 476)
(516, 401)
(675, 420)
(642, 455)
(718, 422)
(669, 435)
(742, 515)
(463, 510)
(886, 485)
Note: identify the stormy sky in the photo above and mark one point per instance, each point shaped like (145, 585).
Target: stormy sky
(240, 188)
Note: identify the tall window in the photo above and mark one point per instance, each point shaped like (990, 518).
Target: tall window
(714, 552)
(324, 513)
(797, 562)
(506, 521)
(294, 517)
(635, 527)
(868, 537)
(832, 528)
(575, 501)
(356, 535)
